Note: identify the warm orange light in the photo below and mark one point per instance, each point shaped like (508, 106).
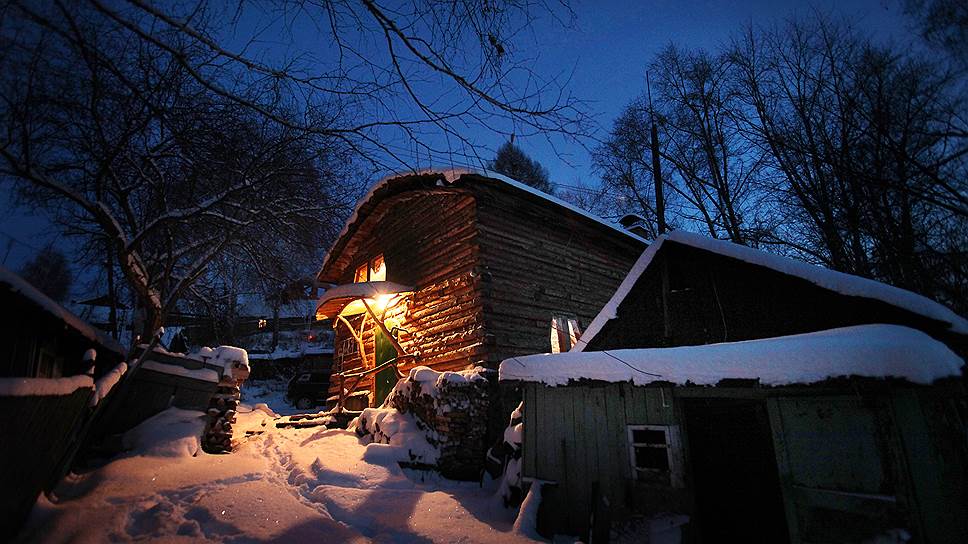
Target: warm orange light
(381, 301)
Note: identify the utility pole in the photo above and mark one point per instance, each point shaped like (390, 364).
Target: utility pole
(656, 167)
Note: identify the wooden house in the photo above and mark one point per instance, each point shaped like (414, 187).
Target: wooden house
(459, 268)
(762, 398)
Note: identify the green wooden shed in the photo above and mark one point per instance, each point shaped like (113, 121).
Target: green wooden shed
(844, 435)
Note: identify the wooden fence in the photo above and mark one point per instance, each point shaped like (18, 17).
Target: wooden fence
(35, 434)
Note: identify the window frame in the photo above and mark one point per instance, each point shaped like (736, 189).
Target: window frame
(673, 447)
(564, 328)
(364, 271)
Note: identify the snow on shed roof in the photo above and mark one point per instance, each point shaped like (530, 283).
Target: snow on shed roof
(839, 282)
(16, 284)
(865, 350)
(452, 175)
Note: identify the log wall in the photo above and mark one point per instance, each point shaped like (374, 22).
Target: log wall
(539, 260)
(429, 241)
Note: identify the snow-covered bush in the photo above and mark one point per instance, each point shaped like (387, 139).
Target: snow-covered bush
(449, 408)
(410, 440)
(510, 488)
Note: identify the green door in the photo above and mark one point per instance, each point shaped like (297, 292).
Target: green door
(383, 352)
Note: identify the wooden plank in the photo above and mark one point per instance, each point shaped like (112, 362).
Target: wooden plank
(570, 481)
(939, 507)
(529, 442)
(774, 407)
(639, 405)
(618, 468)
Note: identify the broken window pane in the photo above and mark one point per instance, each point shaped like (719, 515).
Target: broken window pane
(564, 333)
(651, 458)
(360, 275)
(648, 436)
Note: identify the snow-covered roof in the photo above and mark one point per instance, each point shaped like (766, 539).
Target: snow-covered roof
(203, 374)
(450, 176)
(17, 284)
(44, 387)
(839, 282)
(865, 350)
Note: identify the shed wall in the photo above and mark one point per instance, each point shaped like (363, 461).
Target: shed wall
(689, 296)
(577, 437)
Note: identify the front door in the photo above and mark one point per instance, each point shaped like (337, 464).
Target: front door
(383, 352)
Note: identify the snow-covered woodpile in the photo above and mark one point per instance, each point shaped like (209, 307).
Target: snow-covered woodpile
(225, 401)
(450, 407)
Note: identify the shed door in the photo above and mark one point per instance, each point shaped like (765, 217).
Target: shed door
(834, 470)
(383, 352)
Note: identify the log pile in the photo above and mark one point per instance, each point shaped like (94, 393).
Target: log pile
(222, 409)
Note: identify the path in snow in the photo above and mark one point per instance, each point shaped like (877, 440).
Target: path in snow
(280, 486)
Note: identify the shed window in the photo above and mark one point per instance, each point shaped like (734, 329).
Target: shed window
(655, 453)
(565, 333)
(373, 270)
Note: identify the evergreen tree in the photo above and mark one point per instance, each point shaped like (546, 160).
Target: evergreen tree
(514, 163)
(49, 272)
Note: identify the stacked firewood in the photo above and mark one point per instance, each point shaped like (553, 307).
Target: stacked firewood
(221, 410)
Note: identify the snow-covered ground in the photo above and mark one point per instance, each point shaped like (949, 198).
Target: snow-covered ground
(280, 485)
(270, 392)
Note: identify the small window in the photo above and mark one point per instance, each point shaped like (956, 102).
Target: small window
(654, 453)
(373, 270)
(565, 333)
(360, 275)
(378, 269)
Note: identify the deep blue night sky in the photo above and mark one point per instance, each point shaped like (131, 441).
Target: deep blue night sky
(607, 51)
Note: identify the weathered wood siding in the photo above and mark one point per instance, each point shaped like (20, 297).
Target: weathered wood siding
(429, 241)
(150, 392)
(850, 463)
(855, 465)
(35, 433)
(711, 298)
(539, 260)
(577, 436)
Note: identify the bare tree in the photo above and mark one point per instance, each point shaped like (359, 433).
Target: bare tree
(709, 172)
(943, 23)
(624, 162)
(710, 156)
(142, 132)
(129, 151)
(870, 147)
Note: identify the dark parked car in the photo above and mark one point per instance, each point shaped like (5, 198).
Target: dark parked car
(308, 389)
